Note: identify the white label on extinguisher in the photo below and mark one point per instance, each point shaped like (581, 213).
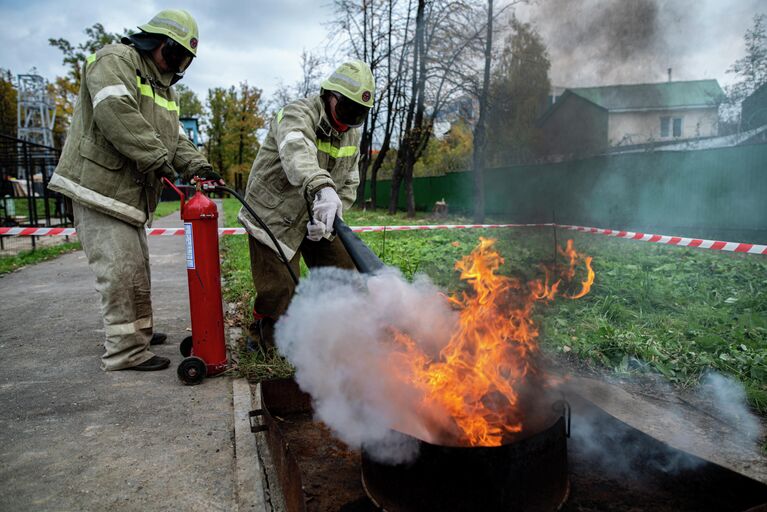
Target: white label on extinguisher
(189, 240)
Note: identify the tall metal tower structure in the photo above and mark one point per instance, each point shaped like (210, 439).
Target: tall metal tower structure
(36, 110)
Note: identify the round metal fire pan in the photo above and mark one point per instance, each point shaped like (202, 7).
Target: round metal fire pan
(528, 475)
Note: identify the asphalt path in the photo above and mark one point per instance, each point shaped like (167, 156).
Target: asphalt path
(73, 437)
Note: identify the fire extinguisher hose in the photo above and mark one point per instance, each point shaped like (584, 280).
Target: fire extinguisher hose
(363, 257)
(263, 225)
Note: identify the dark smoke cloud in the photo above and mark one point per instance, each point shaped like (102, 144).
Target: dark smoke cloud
(617, 30)
(602, 42)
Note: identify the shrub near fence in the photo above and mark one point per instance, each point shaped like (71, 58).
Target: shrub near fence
(717, 193)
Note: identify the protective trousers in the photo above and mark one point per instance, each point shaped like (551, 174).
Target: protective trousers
(271, 279)
(119, 257)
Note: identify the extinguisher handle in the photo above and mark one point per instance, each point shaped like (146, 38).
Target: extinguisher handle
(178, 191)
(208, 184)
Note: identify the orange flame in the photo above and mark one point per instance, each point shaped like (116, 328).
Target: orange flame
(477, 378)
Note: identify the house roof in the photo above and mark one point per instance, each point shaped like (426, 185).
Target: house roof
(558, 103)
(664, 95)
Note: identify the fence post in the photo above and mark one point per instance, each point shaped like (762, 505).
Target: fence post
(31, 204)
(554, 229)
(46, 206)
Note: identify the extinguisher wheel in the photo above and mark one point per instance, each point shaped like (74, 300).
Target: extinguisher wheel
(192, 371)
(186, 346)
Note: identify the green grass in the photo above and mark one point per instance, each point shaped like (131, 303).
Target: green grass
(238, 288)
(678, 312)
(21, 206)
(166, 208)
(653, 308)
(235, 258)
(24, 258)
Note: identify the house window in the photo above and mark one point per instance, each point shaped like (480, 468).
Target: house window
(665, 126)
(677, 127)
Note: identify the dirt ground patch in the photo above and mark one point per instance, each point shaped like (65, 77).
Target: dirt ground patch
(624, 455)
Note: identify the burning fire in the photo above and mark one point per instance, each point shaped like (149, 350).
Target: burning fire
(477, 379)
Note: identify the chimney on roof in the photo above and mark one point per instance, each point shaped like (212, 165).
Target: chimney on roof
(669, 74)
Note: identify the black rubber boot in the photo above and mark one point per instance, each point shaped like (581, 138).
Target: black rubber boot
(261, 334)
(151, 365)
(158, 338)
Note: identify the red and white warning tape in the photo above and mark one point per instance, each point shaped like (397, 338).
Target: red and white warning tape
(38, 231)
(644, 237)
(674, 240)
(374, 229)
(241, 231)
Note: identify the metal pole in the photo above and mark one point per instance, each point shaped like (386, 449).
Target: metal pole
(30, 188)
(44, 173)
(554, 229)
(383, 250)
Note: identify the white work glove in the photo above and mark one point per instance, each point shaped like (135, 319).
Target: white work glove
(315, 231)
(326, 206)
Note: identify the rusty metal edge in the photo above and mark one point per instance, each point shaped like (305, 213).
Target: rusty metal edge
(248, 469)
(285, 464)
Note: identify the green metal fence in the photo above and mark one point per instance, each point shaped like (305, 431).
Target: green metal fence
(719, 193)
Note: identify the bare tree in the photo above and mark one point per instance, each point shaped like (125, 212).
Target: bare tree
(421, 61)
(394, 96)
(444, 59)
(374, 31)
(750, 69)
(312, 71)
(479, 130)
(413, 121)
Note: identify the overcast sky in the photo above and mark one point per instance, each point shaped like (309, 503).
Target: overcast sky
(258, 41)
(592, 42)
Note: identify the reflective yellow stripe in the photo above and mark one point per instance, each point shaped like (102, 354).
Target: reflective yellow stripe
(167, 105)
(279, 115)
(341, 152)
(146, 90)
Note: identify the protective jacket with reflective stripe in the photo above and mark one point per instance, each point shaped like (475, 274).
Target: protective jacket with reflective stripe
(301, 154)
(125, 129)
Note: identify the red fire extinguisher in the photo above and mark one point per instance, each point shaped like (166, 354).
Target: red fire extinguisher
(205, 350)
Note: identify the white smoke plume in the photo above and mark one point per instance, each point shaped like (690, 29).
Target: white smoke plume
(728, 399)
(692, 428)
(335, 333)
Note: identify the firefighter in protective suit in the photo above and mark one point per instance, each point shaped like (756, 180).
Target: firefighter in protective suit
(124, 137)
(307, 163)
